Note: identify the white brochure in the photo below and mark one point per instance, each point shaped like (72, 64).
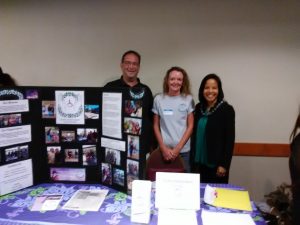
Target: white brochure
(46, 202)
(210, 194)
(177, 191)
(141, 201)
(86, 200)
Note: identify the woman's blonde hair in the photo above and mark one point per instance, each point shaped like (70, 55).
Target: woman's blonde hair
(185, 88)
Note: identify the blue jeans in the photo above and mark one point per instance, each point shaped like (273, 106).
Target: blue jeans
(186, 159)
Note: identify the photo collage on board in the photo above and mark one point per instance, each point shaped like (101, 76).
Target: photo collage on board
(71, 135)
(133, 128)
(61, 127)
(122, 153)
(15, 126)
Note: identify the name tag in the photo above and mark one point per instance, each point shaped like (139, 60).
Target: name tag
(168, 112)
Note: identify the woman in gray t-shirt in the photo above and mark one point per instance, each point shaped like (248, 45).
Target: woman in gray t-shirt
(173, 116)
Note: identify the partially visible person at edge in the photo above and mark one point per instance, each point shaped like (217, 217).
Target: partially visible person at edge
(6, 80)
(294, 164)
(130, 66)
(173, 116)
(214, 133)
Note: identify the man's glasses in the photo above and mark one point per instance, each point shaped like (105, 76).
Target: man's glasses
(127, 63)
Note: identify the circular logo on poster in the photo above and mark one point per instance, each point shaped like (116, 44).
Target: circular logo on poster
(10, 94)
(70, 106)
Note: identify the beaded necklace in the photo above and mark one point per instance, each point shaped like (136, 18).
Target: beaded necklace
(138, 95)
(212, 110)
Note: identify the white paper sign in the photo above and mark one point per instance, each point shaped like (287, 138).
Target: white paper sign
(15, 135)
(114, 144)
(177, 217)
(12, 106)
(111, 114)
(220, 218)
(15, 176)
(141, 201)
(177, 191)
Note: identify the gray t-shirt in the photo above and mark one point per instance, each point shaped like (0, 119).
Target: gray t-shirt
(173, 112)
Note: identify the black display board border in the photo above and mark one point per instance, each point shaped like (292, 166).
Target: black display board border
(93, 96)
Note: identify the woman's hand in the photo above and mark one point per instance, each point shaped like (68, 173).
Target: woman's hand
(174, 153)
(167, 153)
(221, 171)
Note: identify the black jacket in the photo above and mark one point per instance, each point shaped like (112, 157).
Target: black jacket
(220, 135)
(294, 164)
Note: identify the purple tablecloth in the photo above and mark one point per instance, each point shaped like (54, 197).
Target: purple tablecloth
(115, 210)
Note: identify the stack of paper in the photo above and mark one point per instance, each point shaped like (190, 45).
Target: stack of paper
(46, 202)
(227, 198)
(86, 200)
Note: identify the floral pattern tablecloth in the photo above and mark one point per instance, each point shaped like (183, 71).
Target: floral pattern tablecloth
(115, 210)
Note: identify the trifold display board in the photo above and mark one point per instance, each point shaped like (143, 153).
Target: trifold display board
(73, 134)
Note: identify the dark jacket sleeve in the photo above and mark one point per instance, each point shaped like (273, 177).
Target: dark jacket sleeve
(295, 176)
(229, 133)
(220, 135)
(295, 161)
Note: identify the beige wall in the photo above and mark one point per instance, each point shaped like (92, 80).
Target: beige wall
(253, 45)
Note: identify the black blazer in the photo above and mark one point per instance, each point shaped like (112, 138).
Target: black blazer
(220, 135)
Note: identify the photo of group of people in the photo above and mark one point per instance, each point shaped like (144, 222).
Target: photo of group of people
(113, 156)
(106, 173)
(132, 173)
(118, 176)
(112, 175)
(71, 155)
(16, 153)
(51, 135)
(57, 155)
(132, 125)
(133, 108)
(54, 155)
(48, 109)
(88, 135)
(89, 155)
(10, 120)
(132, 167)
(133, 147)
(68, 136)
